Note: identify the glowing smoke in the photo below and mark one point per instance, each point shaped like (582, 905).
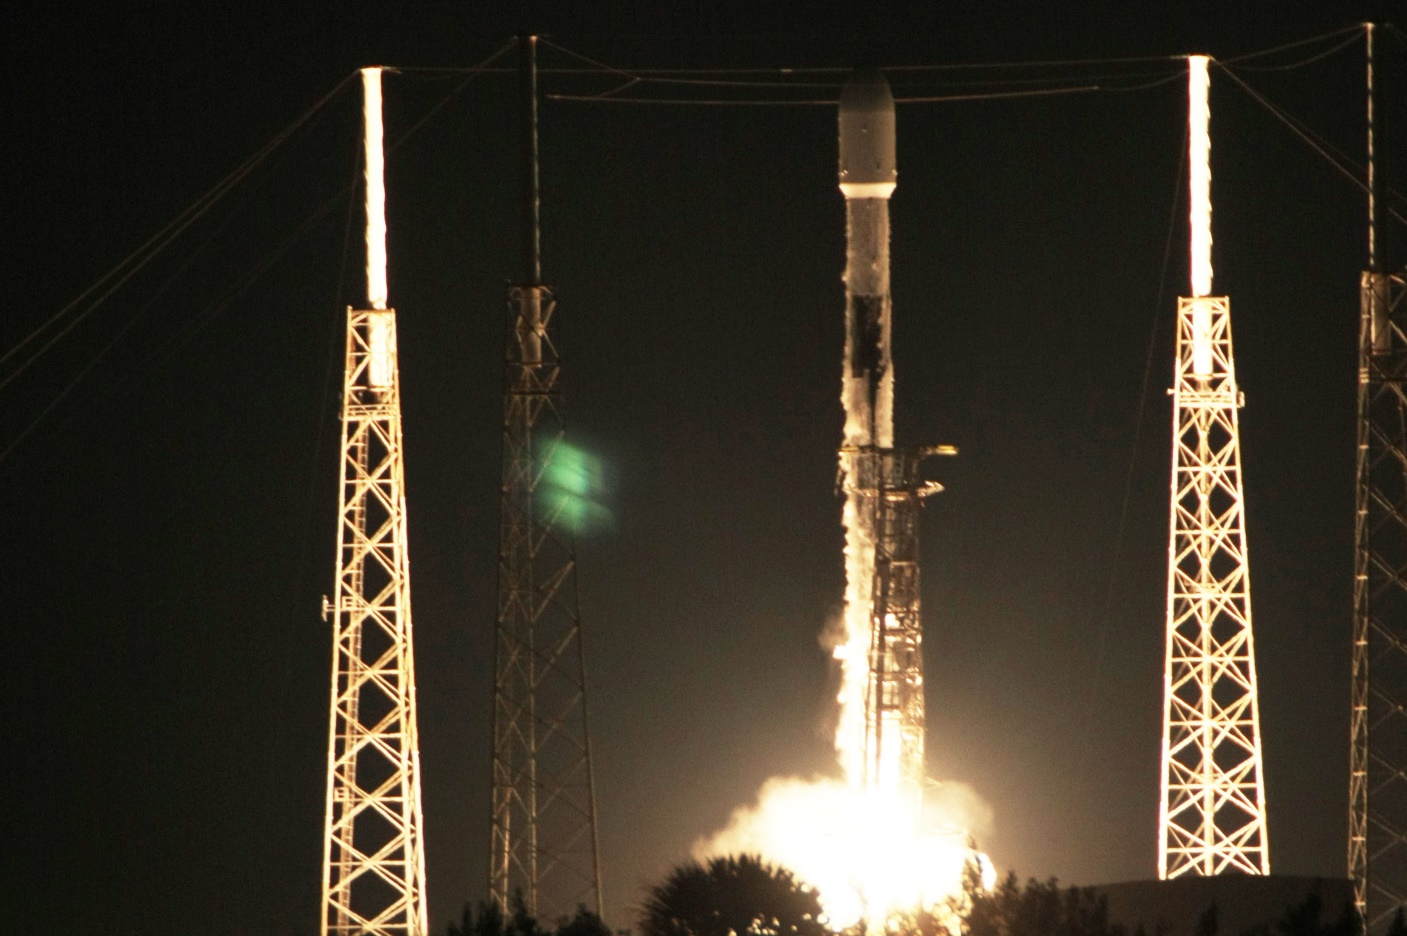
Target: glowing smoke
(864, 855)
(864, 851)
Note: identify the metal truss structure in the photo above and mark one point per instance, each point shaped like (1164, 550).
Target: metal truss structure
(1377, 791)
(1377, 846)
(543, 841)
(1212, 817)
(889, 484)
(373, 846)
(544, 812)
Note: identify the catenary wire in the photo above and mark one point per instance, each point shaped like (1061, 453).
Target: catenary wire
(127, 326)
(116, 339)
(1298, 43)
(1105, 614)
(199, 322)
(634, 77)
(211, 312)
(295, 595)
(630, 81)
(111, 281)
(819, 102)
(1351, 40)
(1323, 149)
(115, 278)
(652, 72)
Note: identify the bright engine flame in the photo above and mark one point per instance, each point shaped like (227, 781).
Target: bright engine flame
(873, 855)
(865, 856)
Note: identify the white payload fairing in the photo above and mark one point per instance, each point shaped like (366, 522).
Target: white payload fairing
(867, 179)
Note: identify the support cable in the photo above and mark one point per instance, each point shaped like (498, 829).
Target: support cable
(632, 78)
(111, 281)
(644, 73)
(1355, 30)
(1104, 616)
(821, 102)
(198, 323)
(208, 315)
(296, 595)
(1317, 57)
(1327, 151)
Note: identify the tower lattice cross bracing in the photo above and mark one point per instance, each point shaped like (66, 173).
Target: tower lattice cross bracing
(1377, 792)
(543, 841)
(544, 817)
(373, 842)
(373, 850)
(1213, 802)
(1377, 850)
(892, 487)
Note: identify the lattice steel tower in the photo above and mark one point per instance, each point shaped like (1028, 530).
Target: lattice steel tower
(1212, 814)
(543, 840)
(373, 846)
(1377, 843)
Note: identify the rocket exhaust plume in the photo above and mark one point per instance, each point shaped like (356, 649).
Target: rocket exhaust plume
(883, 840)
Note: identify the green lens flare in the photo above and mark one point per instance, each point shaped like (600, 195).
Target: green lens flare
(572, 491)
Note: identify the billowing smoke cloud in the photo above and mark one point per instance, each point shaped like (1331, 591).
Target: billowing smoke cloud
(863, 854)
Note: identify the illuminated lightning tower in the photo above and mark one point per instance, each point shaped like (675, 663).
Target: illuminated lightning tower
(1212, 814)
(373, 845)
(543, 839)
(1377, 844)
(881, 739)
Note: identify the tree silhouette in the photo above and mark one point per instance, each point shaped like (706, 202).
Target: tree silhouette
(1041, 908)
(733, 896)
(491, 922)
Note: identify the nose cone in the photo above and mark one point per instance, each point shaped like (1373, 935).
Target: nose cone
(867, 163)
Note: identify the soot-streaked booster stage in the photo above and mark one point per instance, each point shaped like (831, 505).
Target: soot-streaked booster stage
(881, 733)
(874, 846)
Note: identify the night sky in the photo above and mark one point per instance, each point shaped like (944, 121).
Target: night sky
(169, 526)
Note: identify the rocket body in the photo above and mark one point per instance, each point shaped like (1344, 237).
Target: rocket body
(880, 751)
(867, 179)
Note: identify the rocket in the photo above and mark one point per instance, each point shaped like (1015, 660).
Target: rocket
(867, 179)
(880, 736)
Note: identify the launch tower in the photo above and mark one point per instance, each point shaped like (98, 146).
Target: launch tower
(1377, 843)
(373, 845)
(543, 841)
(1212, 811)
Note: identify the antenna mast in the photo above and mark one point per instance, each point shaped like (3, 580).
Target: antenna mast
(1377, 815)
(373, 845)
(1212, 810)
(543, 841)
